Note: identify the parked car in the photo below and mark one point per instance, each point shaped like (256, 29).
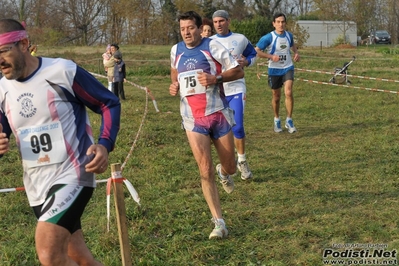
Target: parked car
(381, 36)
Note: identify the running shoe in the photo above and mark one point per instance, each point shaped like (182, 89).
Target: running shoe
(277, 126)
(220, 230)
(243, 167)
(290, 125)
(227, 182)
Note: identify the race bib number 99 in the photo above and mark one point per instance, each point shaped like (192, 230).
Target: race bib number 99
(189, 84)
(42, 145)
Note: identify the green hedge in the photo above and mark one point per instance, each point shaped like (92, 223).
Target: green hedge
(254, 28)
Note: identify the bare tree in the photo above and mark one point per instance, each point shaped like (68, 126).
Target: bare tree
(297, 7)
(338, 10)
(86, 22)
(363, 14)
(17, 9)
(393, 19)
(141, 24)
(266, 8)
(304, 6)
(238, 9)
(83, 19)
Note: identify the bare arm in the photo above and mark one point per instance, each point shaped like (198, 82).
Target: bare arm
(262, 54)
(296, 54)
(174, 86)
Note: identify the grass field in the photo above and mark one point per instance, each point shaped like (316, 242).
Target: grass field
(333, 182)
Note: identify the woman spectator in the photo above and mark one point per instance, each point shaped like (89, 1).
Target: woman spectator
(109, 66)
(207, 28)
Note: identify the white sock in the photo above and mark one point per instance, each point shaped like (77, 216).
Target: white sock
(241, 157)
(288, 118)
(277, 119)
(222, 175)
(220, 221)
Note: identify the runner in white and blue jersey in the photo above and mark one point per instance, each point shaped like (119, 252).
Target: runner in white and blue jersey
(243, 51)
(43, 104)
(276, 46)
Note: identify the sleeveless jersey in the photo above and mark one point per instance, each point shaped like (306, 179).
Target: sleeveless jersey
(211, 57)
(278, 44)
(238, 45)
(47, 114)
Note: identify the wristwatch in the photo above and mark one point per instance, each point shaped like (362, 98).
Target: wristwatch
(219, 79)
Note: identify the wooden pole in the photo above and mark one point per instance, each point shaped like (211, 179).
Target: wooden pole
(117, 181)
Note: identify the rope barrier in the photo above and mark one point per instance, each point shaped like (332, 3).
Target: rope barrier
(348, 75)
(333, 73)
(137, 86)
(138, 133)
(259, 74)
(347, 86)
(4, 190)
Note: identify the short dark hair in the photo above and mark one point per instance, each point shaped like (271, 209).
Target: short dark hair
(115, 45)
(9, 25)
(191, 15)
(279, 14)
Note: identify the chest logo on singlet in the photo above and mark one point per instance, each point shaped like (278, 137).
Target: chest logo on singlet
(27, 108)
(190, 63)
(283, 43)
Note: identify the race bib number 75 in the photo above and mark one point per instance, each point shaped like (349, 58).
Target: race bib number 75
(189, 84)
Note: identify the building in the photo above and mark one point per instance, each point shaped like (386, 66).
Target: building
(325, 33)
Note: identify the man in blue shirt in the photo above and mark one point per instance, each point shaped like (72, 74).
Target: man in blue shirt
(281, 68)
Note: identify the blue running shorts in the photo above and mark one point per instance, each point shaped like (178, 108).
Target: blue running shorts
(215, 125)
